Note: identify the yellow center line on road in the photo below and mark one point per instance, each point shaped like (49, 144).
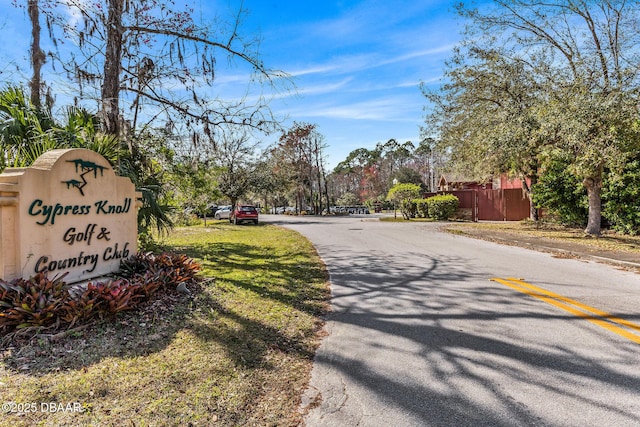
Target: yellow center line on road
(601, 318)
(578, 304)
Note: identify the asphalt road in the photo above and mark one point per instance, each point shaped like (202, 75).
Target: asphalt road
(420, 334)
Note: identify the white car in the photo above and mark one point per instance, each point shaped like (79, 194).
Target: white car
(223, 212)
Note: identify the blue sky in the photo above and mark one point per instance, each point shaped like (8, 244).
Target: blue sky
(356, 64)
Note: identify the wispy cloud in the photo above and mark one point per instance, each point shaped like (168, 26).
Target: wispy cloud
(391, 108)
(337, 65)
(351, 64)
(314, 69)
(409, 56)
(324, 88)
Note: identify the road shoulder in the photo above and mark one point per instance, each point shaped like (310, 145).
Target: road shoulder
(559, 248)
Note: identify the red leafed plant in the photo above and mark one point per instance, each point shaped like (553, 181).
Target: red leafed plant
(33, 302)
(168, 269)
(82, 306)
(41, 302)
(115, 296)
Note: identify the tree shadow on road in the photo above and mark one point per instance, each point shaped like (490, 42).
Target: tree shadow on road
(459, 360)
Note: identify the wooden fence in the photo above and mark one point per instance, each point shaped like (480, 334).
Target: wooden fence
(491, 205)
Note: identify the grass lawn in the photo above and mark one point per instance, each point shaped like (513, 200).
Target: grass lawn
(608, 241)
(237, 353)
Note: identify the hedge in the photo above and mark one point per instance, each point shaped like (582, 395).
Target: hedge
(442, 206)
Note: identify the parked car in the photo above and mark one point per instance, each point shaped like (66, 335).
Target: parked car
(244, 213)
(223, 212)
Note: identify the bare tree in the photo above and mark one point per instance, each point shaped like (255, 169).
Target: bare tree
(300, 152)
(235, 155)
(155, 57)
(37, 54)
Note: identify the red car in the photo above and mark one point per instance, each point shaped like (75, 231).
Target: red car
(243, 213)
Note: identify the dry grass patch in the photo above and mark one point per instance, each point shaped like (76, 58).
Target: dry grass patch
(608, 241)
(239, 352)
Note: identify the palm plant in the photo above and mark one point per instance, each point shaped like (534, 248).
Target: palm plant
(27, 132)
(147, 179)
(24, 130)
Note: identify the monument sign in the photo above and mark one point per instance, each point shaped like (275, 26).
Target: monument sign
(67, 213)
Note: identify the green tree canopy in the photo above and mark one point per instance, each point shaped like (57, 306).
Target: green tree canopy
(402, 195)
(535, 77)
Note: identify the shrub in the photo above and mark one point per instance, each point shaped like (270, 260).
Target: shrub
(41, 302)
(165, 268)
(146, 242)
(402, 195)
(185, 218)
(442, 206)
(114, 296)
(80, 307)
(621, 197)
(35, 302)
(408, 208)
(561, 193)
(422, 208)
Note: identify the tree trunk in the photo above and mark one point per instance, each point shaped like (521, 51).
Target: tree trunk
(112, 65)
(534, 213)
(319, 178)
(324, 183)
(326, 192)
(594, 185)
(37, 55)
(311, 193)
